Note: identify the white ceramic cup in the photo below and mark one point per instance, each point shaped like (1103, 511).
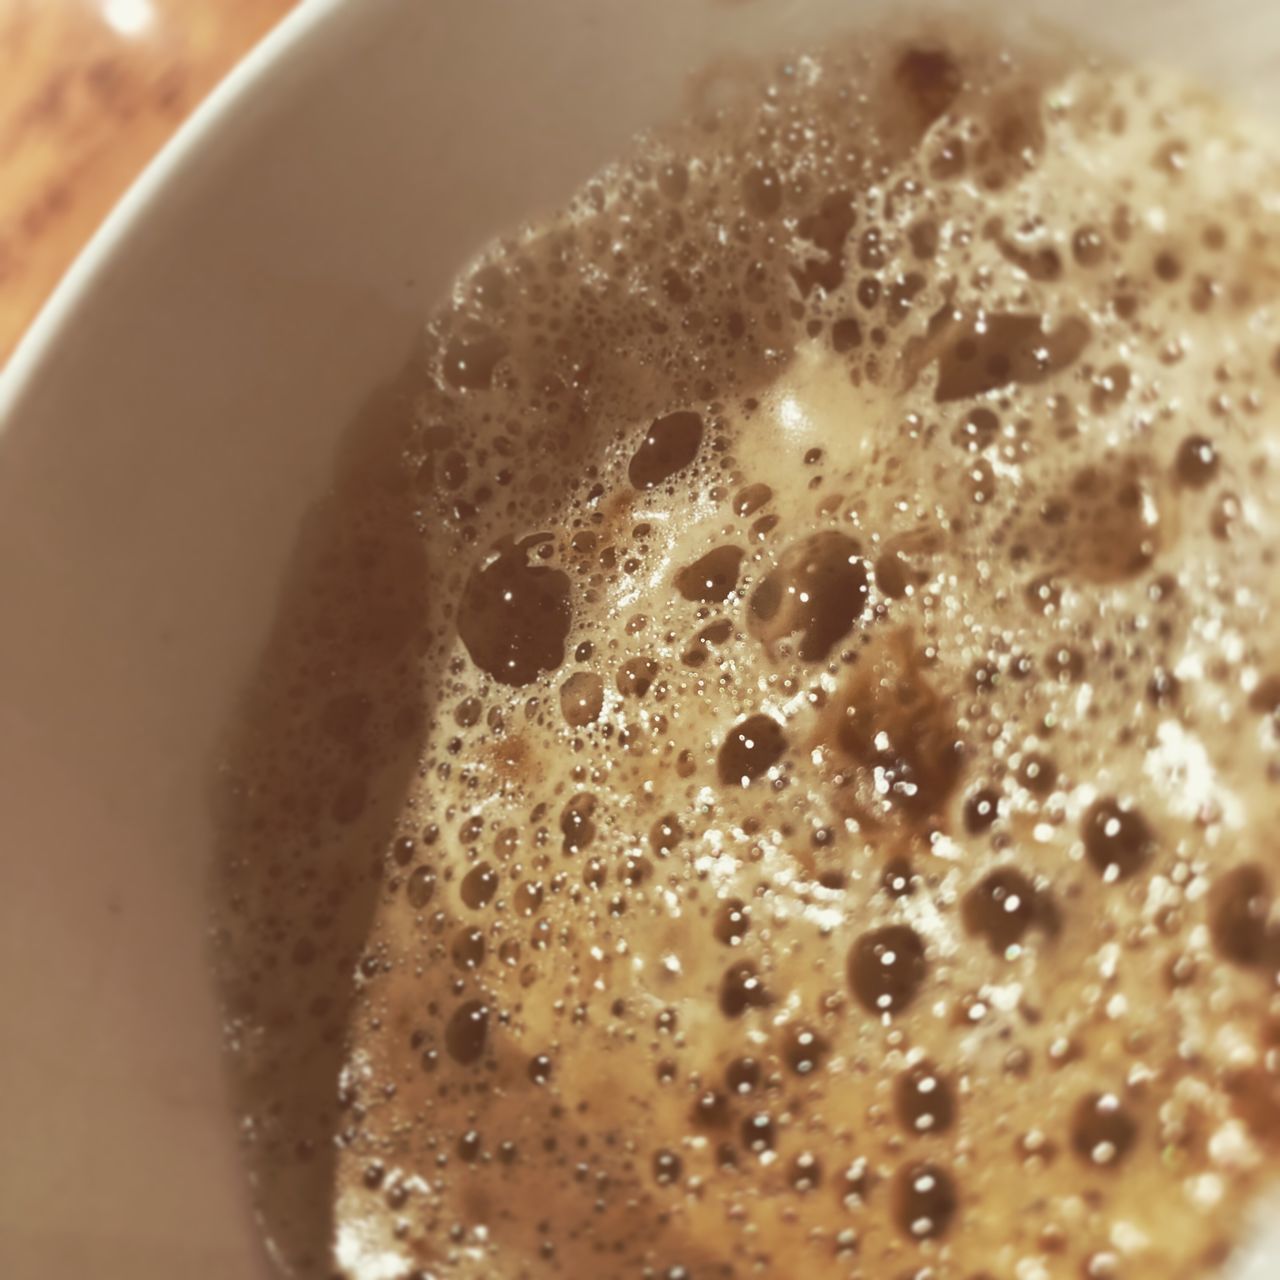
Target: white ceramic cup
(163, 427)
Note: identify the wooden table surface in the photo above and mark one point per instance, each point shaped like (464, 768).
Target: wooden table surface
(89, 91)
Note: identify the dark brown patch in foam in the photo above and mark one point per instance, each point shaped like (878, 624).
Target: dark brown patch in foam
(742, 988)
(467, 1032)
(712, 578)
(750, 749)
(581, 698)
(1197, 462)
(1107, 524)
(994, 351)
(925, 1201)
(1004, 906)
(887, 967)
(514, 617)
(1118, 841)
(898, 732)
(923, 1100)
(1102, 1130)
(826, 231)
(1240, 918)
(818, 591)
(930, 78)
(670, 445)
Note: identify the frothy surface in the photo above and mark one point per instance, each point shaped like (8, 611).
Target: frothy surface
(769, 760)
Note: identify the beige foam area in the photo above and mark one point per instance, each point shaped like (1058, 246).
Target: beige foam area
(981, 517)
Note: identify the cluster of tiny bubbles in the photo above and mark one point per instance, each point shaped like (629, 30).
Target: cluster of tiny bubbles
(765, 760)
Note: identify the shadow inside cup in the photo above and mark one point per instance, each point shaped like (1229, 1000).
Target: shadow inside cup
(310, 799)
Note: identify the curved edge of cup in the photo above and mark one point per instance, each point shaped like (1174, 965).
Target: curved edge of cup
(239, 91)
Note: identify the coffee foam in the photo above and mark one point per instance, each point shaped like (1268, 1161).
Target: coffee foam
(766, 757)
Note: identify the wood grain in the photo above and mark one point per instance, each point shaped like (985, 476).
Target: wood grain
(90, 90)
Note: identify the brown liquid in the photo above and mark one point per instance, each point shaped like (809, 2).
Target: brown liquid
(769, 759)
